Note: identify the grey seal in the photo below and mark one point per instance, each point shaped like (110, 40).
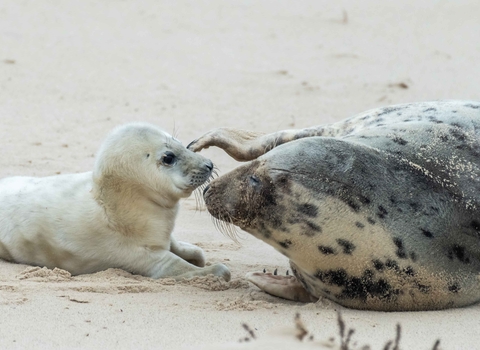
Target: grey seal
(379, 211)
(120, 215)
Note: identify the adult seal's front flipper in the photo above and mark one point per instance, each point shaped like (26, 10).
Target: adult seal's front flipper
(286, 287)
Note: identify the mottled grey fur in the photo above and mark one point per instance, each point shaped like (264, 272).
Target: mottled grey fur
(379, 212)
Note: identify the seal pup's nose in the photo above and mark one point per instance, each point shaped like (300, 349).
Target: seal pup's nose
(209, 165)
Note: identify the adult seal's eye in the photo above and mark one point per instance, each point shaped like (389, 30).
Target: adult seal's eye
(254, 181)
(169, 159)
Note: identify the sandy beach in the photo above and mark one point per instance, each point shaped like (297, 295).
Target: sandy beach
(72, 71)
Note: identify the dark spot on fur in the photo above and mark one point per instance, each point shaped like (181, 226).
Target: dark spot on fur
(459, 135)
(336, 277)
(313, 226)
(269, 198)
(427, 233)
(283, 183)
(413, 256)
(369, 273)
(457, 251)
(415, 206)
(293, 220)
(475, 225)
(352, 205)
(409, 271)
(371, 221)
(308, 209)
(276, 222)
(356, 287)
(454, 288)
(392, 265)
(401, 252)
(286, 243)
(399, 140)
(326, 250)
(264, 230)
(378, 265)
(388, 110)
(472, 106)
(422, 288)
(359, 224)
(381, 212)
(364, 200)
(431, 109)
(348, 247)
(444, 138)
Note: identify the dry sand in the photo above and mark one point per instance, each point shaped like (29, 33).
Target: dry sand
(72, 70)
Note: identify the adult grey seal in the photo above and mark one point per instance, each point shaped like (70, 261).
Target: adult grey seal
(379, 211)
(121, 215)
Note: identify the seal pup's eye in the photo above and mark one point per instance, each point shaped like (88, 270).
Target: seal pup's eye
(169, 159)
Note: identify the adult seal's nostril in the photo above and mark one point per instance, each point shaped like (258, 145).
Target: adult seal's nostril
(206, 189)
(209, 165)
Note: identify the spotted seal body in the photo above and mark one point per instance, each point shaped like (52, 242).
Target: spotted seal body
(380, 211)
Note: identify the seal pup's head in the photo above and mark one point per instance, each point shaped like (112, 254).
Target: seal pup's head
(142, 158)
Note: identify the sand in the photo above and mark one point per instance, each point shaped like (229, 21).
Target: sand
(70, 71)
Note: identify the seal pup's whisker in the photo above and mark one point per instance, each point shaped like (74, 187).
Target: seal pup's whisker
(174, 131)
(199, 203)
(198, 193)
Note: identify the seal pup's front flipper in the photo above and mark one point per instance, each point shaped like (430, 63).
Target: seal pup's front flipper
(286, 287)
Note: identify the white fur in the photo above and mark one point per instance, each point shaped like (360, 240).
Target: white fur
(121, 215)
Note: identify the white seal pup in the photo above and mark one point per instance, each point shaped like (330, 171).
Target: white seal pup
(121, 215)
(380, 211)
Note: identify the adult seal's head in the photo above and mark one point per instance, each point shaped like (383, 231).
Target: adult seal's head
(379, 211)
